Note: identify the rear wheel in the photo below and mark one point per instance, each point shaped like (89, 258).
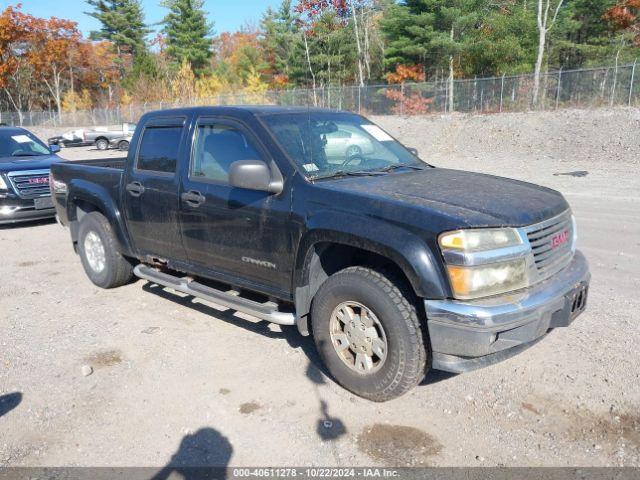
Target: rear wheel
(102, 262)
(123, 145)
(368, 333)
(102, 144)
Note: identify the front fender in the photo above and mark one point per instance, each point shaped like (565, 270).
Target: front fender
(103, 200)
(408, 251)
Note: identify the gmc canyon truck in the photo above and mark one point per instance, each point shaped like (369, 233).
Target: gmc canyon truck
(394, 266)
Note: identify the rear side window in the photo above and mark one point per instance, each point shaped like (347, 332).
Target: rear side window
(159, 149)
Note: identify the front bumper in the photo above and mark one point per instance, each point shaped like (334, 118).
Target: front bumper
(14, 209)
(474, 334)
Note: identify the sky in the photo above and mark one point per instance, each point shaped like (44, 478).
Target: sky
(227, 15)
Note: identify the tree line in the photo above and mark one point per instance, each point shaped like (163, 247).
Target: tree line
(48, 64)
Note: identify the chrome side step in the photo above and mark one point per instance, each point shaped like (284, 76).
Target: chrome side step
(266, 311)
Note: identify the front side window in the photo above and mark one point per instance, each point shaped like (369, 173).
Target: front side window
(159, 149)
(217, 146)
(325, 143)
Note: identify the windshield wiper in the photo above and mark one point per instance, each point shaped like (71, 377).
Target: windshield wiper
(395, 166)
(27, 154)
(347, 173)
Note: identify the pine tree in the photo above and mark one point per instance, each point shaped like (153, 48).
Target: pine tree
(281, 40)
(436, 33)
(122, 24)
(188, 33)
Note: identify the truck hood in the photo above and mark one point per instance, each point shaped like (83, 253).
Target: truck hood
(460, 198)
(13, 164)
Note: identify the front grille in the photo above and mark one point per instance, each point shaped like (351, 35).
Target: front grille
(31, 184)
(552, 244)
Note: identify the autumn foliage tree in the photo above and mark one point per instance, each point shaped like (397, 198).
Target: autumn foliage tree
(15, 72)
(625, 16)
(407, 103)
(54, 44)
(42, 61)
(42, 48)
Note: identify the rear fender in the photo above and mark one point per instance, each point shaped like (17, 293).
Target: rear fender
(98, 198)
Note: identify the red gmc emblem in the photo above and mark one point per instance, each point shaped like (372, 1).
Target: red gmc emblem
(560, 239)
(39, 180)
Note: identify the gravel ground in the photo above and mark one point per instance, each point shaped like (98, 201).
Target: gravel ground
(179, 381)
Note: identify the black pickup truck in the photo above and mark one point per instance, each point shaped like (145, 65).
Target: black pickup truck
(320, 219)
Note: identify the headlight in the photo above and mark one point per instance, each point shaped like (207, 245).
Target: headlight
(485, 262)
(3, 185)
(478, 240)
(473, 282)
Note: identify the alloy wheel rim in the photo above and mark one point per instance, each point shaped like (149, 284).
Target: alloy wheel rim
(94, 251)
(353, 151)
(358, 337)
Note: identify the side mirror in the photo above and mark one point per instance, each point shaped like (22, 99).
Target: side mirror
(253, 175)
(54, 148)
(414, 151)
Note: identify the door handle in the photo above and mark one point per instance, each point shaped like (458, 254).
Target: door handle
(193, 198)
(135, 189)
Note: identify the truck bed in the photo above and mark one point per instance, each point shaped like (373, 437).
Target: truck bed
(117, 163)
(103, 174)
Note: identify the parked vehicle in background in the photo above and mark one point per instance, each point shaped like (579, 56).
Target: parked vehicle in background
(25, 162)
(343, 144)
(394, 266)
(102, 138)
(121, 143)
(73, 138)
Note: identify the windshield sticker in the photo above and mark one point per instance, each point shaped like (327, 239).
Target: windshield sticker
(21, 139)
(377, 133)
(310, 167)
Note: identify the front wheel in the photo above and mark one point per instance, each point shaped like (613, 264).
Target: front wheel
(102, 144)
(123, 146)
(102, 262)
(368, 333)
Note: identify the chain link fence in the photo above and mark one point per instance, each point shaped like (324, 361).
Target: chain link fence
(584, 88)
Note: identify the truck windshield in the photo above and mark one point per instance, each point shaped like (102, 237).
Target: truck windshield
(328, 144)
(16, 143)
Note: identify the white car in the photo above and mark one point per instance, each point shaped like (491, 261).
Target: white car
(345, 144)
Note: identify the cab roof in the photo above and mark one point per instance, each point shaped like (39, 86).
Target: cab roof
(240, 110)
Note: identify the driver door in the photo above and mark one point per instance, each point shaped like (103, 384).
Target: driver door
(236, 235)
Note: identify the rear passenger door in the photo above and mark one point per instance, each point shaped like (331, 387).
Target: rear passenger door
(152, 190)
(235, 235)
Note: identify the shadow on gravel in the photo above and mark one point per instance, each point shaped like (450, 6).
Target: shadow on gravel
(316, 371)
(436, 376)
(29, 223)
(288, 333)
(9, 401)
(328, 427)
(202, 455)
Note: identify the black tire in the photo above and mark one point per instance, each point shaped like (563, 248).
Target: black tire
(393, 303)
(102, 144)
(353, 151)
(123, 145)
(117, 270)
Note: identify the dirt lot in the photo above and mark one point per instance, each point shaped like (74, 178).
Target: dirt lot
(177, 380)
